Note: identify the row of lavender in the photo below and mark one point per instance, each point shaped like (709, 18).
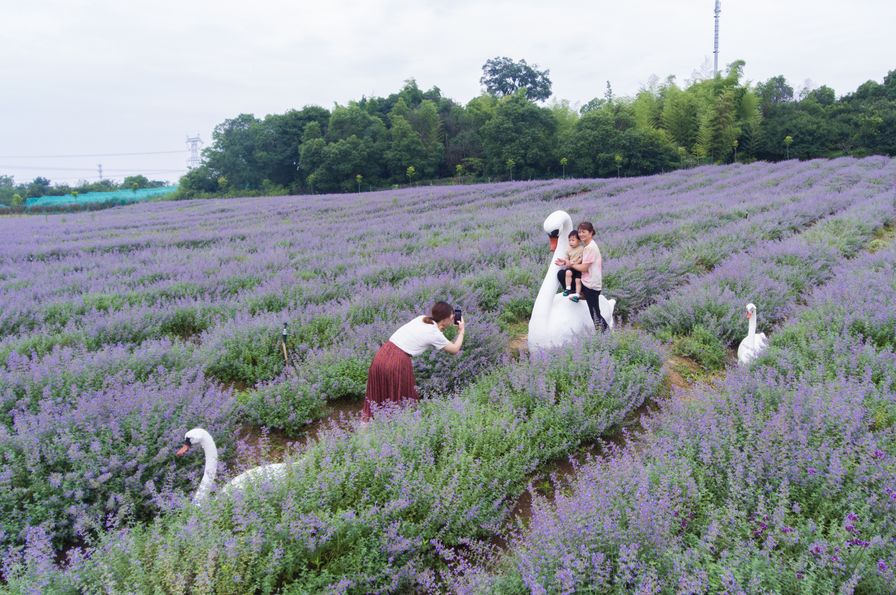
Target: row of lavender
(782, 479)
(370, 510)
(773, 276)
(71, 472)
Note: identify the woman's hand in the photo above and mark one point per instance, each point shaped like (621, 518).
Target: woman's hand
(460, 325)
(561, 262)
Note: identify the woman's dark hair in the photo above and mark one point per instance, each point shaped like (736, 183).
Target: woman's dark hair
(586, 225)
(440, 311)
(575, 234)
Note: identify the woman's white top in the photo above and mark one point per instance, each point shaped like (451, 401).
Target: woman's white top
(414, 337)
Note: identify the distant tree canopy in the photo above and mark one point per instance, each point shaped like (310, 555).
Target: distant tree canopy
(503, 76)
(373, 142)
(378, 140)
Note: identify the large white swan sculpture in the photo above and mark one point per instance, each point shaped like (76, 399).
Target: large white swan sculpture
(754, 343)
(556, 319)
(205, 440)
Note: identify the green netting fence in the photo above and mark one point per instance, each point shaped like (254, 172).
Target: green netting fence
(118, 196)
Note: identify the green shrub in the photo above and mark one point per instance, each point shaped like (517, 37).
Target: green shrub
(515, 311)
(701, 346)
(187, 321)
(289, 404)
(488, 290)
(246, 355)
(321, 331)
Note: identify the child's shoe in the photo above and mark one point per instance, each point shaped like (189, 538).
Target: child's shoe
(565, 292)
(574, 297)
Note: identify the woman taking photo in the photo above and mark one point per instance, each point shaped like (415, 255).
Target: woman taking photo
(391, 375)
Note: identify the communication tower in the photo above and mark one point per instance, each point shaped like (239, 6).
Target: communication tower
(715, 67)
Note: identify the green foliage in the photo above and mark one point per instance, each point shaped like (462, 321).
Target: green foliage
(515, 311)
(521, 134)
(488, 289)
(299, 396)
(701, 346)
(247, 355)
(502, 76)
(321, 331)
(289, 404)
(662, 128)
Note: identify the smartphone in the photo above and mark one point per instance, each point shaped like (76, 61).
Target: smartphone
(457, 315)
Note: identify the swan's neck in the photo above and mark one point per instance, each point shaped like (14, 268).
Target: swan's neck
(211, 470)
(542, 307)
(752, 332)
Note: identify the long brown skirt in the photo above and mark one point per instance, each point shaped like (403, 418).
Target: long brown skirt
(390, 378)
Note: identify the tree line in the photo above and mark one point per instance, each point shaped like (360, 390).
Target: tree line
(508, 133)
(415, 135)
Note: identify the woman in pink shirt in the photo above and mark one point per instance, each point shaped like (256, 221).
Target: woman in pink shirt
(591, 268)
(390, 378)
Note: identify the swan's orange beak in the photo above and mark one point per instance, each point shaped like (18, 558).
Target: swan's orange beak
(553, 241)
(749, 314)
(183, 449)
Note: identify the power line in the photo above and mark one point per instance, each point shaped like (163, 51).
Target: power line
(92, 155)
(48, 168)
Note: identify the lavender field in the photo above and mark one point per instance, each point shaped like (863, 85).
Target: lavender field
(121, 330)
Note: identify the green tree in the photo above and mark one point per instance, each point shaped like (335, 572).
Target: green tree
(410, 173)
(680, 117)
(428, 126)
(135, 182)
(39, 187)
(343, 160)
(279, 141)
(718, 128)
(597, 137)
(358, 179)
(233, 152)
(788, 140)
(198, 181)
(405, 147)
(523, 132)
(563, 162)
(311, 151)
(773, 92)
(510, 165)
(502, 76)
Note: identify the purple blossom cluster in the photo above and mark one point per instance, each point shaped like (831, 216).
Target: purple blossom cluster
(778, 479)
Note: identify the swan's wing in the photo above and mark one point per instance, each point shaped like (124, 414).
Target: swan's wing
(257, 475)
(743, 351)
(567, 319)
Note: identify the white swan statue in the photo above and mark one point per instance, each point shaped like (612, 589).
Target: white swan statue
(205, 440)
(754, 343)
(556, 319)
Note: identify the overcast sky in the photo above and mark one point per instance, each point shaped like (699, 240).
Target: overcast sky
(102, 77)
